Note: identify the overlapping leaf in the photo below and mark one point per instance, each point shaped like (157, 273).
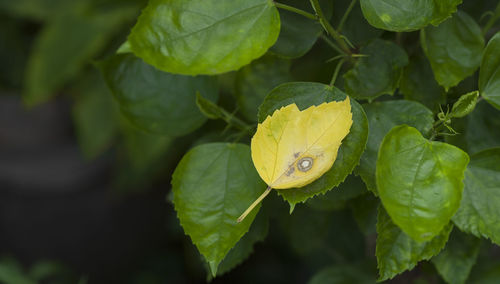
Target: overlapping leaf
(454, 49)
(185, 36)
(382, 117)
(407, 15)
(455, 262)
(157, 101)
(212, 185)
(378, 73)
(305, 95)
(489, 75)
(479, 211)
(419, 182)
(293, 147)
(397, 252)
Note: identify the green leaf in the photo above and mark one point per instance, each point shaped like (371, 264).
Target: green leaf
(65, 45)
(418, 84)
(419, 181)
(210, 37)
(298, 33)
(156, 101)
(356, 28)
(489, 73)
(382, 117)
(407, 15)
(482, 128)
(378, 73)
(208, 108)
(305, 95)
(342, 274)
(455, 262)
(454, 49)
(244, 248)
(397, 252)
(337, 199)
(255, 81)
(479, 211)
(465, 104)
(213, 184)
(94, 116)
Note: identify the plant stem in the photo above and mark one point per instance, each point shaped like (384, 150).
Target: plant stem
(232, 120)
(332, 44)
(296, 10)
(492, 20)
(328, 27)
(337, 70)
(346, 15)
(255, 203)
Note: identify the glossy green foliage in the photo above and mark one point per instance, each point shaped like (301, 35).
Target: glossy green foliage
(454, 49)
(213, 184)
(382, 117)
(355, 28)
(157, 101)
(455, 262)
(256, 80)
(298, 33)
(304, 95)
(419, 182)
(465, 104)
(407, 15)
(397, 252)
(66, 44)
(418, 84)
(489, 74)
(185, 36)
(479, 211)
(378, 73)
(342, 274)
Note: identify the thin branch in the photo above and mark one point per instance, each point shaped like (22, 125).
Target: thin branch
(328, 27)
(296, 11)
(337, 70)
(346, 15)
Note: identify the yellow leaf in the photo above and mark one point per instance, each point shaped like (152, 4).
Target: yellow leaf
(293, 148)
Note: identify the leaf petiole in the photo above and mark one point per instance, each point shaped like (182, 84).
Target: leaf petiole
(296, 10)
(336, 72)
(255, 203)
(346, 15)
(328, 27)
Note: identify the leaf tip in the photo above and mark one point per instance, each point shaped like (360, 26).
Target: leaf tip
(213, 267)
